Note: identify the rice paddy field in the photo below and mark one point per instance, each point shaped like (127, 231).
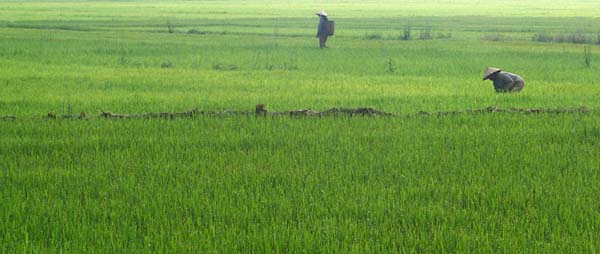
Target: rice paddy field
(408, 183)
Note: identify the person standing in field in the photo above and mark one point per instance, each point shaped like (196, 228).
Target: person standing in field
(504, 81)
(322, 33)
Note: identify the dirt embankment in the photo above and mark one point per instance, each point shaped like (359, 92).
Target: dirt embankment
(261, 111)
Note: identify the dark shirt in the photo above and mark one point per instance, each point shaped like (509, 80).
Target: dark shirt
(322, 29)
(508, 82)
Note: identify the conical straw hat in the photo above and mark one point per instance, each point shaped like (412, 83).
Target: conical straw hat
(489, 72)
(322, 13)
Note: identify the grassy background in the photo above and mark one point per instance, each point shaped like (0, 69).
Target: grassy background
(94, 56)
(468, 183)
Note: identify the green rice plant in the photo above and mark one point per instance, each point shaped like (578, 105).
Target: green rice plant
(228, 67)
(426, 34)
(577, 38)
(444, 36)
(195, 31)
(495, 37)
(588, 56)
(406, 35)
(428, 183)
(123, 60)
(390, 66)
(373, 36)
(170, 27)
(543, 37)
(228, 184)
(167, 64)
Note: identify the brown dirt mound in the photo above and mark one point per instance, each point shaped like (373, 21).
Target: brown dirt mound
(8, 118)
(356, 111)
(190, 113)
(261, 111)
(493, 109)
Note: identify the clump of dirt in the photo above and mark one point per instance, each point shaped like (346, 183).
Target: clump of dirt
(548, 111)
(8, 118)
(304, 112)
(494, 109)
(261, 111)
(171, 115)
(355, 111)
(111, 115)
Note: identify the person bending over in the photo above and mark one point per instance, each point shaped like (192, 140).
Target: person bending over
(504, 81)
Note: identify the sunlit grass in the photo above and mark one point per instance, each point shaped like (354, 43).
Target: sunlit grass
(477, 183)
(125, 73)
(484, 183)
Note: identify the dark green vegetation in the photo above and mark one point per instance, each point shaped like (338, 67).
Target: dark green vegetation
(479, 183)
(353, 185)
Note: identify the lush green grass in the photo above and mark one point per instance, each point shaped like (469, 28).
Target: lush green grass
(468, 183)
(482, 183)
(46, 70)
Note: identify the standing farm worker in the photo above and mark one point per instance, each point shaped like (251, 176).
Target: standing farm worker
(504, 81)
(322, 31)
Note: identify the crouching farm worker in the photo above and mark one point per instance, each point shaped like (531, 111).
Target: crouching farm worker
(504, 81)
(325, 28)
